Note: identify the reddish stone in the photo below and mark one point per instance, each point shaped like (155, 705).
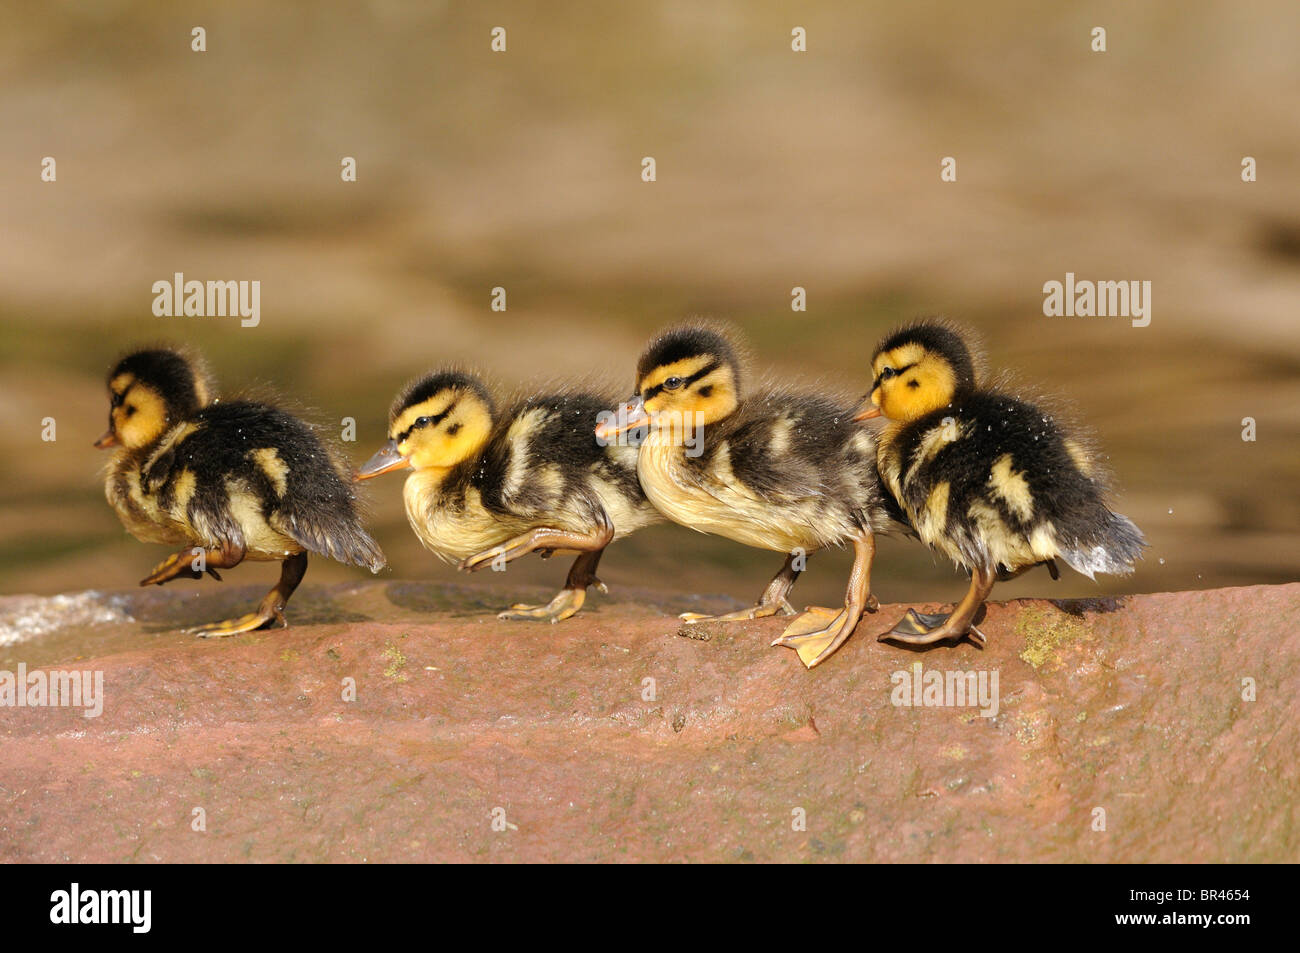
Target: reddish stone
(1133, 706)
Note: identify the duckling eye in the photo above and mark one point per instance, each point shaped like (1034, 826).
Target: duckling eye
(130, 409)
(673, 383)
(424, 421)
(887, 373)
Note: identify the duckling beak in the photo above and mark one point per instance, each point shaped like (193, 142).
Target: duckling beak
(106, 439)
(387, 459)
(630, 415)
(867, 411)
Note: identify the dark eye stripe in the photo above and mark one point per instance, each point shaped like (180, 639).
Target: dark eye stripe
(430, 422)
(686, 381)
(897, 372)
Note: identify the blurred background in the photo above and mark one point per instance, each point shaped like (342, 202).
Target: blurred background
(775, 169)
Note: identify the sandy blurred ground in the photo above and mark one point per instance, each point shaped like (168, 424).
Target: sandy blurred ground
(775, 169)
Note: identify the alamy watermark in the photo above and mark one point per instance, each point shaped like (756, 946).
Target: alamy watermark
(54, 689)
(208, 299)
(945, 689)
(131, 907)
(1101, 299)
(619, 428)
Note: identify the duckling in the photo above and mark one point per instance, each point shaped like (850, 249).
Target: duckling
(994, 482)
(225, 480)
(490, 486)
(775, 469)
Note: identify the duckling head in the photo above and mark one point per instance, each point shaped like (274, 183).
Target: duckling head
(150, 391)
(916, 370)
(689, 376)
(437, 422)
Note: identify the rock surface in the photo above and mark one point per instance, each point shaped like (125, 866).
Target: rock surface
(1121, 734)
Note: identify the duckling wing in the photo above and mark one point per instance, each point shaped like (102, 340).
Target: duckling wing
(787, 449)
(159, 497)
(265, 474)
(544, 462)
(788, 470)
(997, 480)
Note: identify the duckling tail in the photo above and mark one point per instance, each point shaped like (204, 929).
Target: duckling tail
(364, 552)
(1113, 547)
(337, 533)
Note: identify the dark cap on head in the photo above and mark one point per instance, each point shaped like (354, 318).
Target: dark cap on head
(937, 337)
(174, 376)
(691, 340)
(425, 387)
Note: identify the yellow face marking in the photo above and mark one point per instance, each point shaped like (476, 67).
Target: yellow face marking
(432, 407)
(269, 462)
(922, 382)
(898, 357)
(683, 369)
(456, 437)
(703, 401)
(141, 417)
(1011, 486)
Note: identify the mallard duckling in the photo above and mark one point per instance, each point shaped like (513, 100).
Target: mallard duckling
(226, 480)
(991, 481)
(774, 469)
(489, 487)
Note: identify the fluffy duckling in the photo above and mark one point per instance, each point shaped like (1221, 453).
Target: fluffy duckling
(993, 482)
(773, 469)
(489, 486)
(226, 480)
